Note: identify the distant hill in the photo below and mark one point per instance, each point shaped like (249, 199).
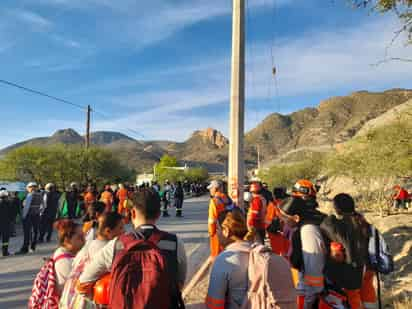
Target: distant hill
(334, 121)
(278, 137)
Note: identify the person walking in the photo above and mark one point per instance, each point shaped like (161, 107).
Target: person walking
(71, 240)
(239, 277)
(122, 195)
(72, 198)
(107, 198)
(110, 227)
(16, 205)
(131, 257)
(32, 207)
(6, 213)
(49, 212)
(256, 214)
(218, 202)
(167, 188)
(89, 197)
(346, 236)
(179, 196)
(308, 249)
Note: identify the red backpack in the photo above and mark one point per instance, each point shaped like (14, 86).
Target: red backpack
(140, 274)
(44, 293)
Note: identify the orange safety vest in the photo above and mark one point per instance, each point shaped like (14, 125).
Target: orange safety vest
(216, 207)
(257, 212)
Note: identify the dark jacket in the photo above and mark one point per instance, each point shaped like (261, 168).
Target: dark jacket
(52, 204)
(179, 194)
(72, 198)
(348, 230)
(6, 211)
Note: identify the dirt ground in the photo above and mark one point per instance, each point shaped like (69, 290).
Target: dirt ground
(397, 231)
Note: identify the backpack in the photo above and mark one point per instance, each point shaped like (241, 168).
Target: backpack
(380, 258)
(270, 281)
(44, 293)
(140, 275)
(70, 298)
(229, 205)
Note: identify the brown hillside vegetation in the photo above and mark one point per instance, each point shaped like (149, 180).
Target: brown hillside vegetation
(334, 121)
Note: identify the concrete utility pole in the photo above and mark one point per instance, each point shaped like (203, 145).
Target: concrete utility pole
(237, 104)
(88, 127)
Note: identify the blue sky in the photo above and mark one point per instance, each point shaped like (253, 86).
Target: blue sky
(162, 67)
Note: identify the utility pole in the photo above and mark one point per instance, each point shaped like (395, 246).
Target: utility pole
(88, 127)
(237, 104)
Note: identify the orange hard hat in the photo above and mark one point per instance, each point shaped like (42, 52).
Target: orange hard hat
(255, 187)
(101, 290)
(302, 188)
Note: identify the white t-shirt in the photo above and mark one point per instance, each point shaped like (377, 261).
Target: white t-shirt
(62, 267)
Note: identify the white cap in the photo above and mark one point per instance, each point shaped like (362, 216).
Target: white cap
(4, 192)
(31, 184)
(73, 184)
(49, 186)
(214, 184)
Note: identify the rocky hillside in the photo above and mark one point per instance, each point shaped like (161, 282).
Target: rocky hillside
(278, 137)
(334, 121)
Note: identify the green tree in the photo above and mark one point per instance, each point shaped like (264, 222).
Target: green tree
(62, 164)
(197, 174)
(288, 174)
(402, 8)
(165, 171)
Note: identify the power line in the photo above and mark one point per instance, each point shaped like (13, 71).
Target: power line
(104, 115)
(272, 53)
(41, 94)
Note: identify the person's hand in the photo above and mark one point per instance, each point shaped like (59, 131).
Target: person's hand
(251, 235)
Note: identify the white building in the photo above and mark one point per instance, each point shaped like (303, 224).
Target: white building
(144, 178)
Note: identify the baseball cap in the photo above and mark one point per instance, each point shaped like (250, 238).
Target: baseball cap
(214, 184)
(31, 184)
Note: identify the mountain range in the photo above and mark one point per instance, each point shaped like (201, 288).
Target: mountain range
(333, 121)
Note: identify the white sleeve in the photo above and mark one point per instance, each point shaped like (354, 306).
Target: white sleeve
(63, 267)
(100, 264)
(313, 250)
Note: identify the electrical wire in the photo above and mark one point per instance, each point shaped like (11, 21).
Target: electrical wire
(43, 94)
(82, 107)
(272, 53)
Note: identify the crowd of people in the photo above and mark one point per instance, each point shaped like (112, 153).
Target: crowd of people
(278, 251)
(329, 256)
(39, 207)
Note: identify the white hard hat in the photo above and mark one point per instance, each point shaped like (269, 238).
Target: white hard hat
(214, 184)
(4, 192)
(31, 185)
(247, 196)
(49, 186)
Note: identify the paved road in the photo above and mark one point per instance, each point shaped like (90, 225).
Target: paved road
(17, 272)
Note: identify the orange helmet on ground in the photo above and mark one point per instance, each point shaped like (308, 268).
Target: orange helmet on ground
(303, 188)
(255, 187)
(101, 290)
